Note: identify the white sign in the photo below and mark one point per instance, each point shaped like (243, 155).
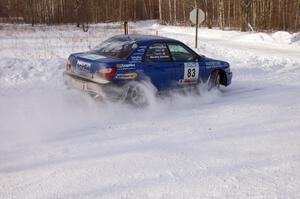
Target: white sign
(193, 16)
(191, 71)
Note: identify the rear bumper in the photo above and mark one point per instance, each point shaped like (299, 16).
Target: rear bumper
(104, 90)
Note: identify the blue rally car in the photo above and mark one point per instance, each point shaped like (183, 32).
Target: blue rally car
(117, 68)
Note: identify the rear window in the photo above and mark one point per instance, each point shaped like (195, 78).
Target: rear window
(117, 48)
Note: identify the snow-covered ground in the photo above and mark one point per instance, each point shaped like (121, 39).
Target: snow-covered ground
(242, 142)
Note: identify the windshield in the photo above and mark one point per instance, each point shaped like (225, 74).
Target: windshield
(116, 48)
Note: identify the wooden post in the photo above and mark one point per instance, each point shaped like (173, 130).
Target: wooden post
(126, 28)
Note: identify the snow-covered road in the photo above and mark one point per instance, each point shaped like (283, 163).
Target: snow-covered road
(242, 142)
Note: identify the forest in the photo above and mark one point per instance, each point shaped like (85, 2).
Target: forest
(244, 15)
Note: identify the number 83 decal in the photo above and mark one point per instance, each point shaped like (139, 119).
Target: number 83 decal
(191, 71)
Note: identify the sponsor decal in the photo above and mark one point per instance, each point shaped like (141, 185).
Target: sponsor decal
(143, 47)
(157, 51)
(162, 47)
(187, 81)
(136, 58)
(213, 64)
(138, 54)
(126, 76)
(210, 63)
(126, 66)
(141, 50)
(83, 66)
(159, 56)
(92, 56)
(191, 64)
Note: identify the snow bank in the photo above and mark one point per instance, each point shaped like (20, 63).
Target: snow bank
(256, 37)
(296, 38)
(280, 37)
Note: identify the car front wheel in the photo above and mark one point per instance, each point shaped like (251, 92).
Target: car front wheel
(214, 80)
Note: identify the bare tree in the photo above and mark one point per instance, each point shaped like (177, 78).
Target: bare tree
(175, 11)
(160, 10)
(236, 14)
(297, 15)
(170, 11)
(221, 14)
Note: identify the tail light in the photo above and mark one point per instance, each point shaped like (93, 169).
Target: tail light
(69, 65)
(106, 73)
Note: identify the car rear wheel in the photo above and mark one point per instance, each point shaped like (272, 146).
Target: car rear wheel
(136, 95)
(214, 80)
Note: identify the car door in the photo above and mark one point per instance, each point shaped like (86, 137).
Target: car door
(186, 64)
(158, 66)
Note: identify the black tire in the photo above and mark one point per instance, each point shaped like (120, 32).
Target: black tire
(214, 80)
(136, 95)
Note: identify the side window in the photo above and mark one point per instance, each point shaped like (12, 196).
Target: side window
(157, 52)
(180, 53)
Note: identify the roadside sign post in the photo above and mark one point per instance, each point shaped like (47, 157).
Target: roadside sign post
(197, 27)
(197, 16)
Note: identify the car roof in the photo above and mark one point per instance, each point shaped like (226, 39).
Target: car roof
(144, 38)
